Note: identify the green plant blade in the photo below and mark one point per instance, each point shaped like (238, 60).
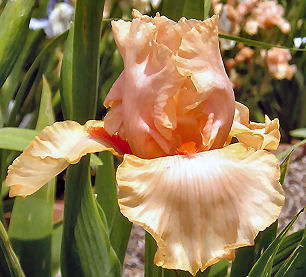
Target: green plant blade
(12, 138)
(173, 9)
(28, 77)
(299, 133)
(261, 44)
(285, 153)
(31, 227)
(263, 266)
(80, 69)
(56, 241)
(86, 249)
(244, 260)
(219, 269)
(285, 250)
(14, 22)
(106, 190)
(151, 270)
(295, 265)
(105, 187)
(11, 259)
(207, 5)
(13, 81)
(66, 77)
(194, 9)
(119, 235)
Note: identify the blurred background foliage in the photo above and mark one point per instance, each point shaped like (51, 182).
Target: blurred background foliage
(271, 83)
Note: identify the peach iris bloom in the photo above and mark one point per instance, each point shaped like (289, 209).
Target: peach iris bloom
(172, 117)
(277, 61)
(266, 15)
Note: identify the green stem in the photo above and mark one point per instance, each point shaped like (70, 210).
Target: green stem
(11, 259)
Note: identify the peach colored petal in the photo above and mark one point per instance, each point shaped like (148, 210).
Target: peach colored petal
(200, 207)
(150, 81)
(265, 15)
(214, 99)
(173, 89)
(277, 62)
(257, 135)
(56, 147)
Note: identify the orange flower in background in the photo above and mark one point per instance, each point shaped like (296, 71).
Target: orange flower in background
(172, 118)
(277, 61)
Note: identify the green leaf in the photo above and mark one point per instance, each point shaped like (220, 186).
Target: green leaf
(14, 22)
(86, 249)
(12, 138)
(286, 248)
(207, 5)
(66, 77)
(219, 269)
(261, 44)
(194, 9)
(295, 265)
(263, 266)
(28, 77)
(120, 234)
(151, 270)
(285, 153)
(283, 168)
(95, 160)
(11, 259)
(244, 260)
(173, 9)
(187, 8)
(13, 81)
(105, 187)
(82, 62)
(56, 249)
(46, 116)
(300, 133)
(31, 227)
(106, 190)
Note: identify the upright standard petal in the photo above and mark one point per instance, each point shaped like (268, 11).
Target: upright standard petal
(200, 207)
(256, 135)
(56, 147)
(173, 89)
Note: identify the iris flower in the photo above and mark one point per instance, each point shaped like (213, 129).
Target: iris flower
(173, 118)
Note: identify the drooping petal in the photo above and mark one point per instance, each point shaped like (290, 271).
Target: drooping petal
(200, 207)
(257, 135)
(56, 147)
(173, 89)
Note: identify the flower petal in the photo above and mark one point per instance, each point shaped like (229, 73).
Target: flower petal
(173, 89)
(56, 147)
(257, 135)
(200, 207)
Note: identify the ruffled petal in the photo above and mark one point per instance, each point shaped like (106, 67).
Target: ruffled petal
(144, 96)
(200, 207)
(173, 89)
(257, 135)
(56, 147)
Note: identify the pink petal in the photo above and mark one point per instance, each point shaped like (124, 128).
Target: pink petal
(56, 147)
(201, 207)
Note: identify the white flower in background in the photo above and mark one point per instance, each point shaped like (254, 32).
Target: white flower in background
(58, 21)
(299, 41)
